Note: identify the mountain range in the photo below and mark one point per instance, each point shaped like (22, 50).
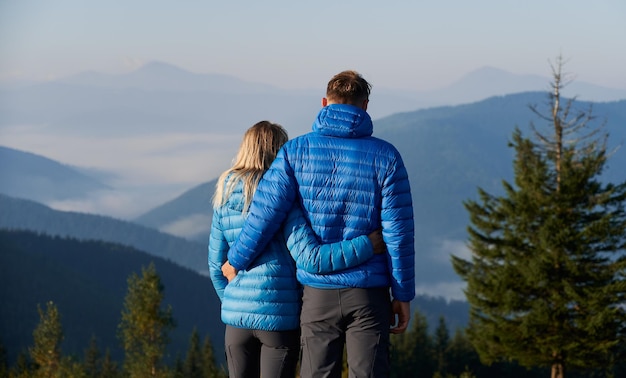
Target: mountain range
(449, 153)
(27, 175)
(449, 150)
(23, 214)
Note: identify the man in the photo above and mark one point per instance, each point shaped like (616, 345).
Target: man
(348, 183)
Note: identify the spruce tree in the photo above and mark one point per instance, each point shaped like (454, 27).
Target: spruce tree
(145, 325)
(441, 341)
(192, 366)
(22, 368)
(47, 336)
(546, 279)
(209, 365)
(108, 369)
(461, 357)
(92, 358)
(179, 368)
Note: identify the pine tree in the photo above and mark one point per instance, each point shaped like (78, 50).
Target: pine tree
(546, 280)
(92, 358)
(179, 368)
(192, 366)
(23, 367)
(441, 343)
(108, 368)
(145, 325)
(209, 365)
(47, 337)
(462, 357)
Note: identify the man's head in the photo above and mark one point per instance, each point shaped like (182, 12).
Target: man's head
(348, 87)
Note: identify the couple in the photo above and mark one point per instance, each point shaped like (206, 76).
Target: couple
(310, 208)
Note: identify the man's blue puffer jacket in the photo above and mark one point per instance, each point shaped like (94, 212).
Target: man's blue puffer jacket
(266, 295)
(348, 183)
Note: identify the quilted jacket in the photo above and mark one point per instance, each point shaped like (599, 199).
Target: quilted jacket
(266, 295)
(349, 183)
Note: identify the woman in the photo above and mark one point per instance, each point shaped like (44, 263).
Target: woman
(261, 305)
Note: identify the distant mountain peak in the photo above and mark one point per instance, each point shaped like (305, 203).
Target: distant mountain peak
(488, 70)
(159, 67)
(488, 73)
(161, 76)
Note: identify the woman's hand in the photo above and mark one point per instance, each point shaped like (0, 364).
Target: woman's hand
(229, 271)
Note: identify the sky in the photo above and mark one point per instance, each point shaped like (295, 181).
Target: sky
(403, 44)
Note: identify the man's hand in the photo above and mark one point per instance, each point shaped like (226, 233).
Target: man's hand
(376, 238)
(229, 271)
(401, 310)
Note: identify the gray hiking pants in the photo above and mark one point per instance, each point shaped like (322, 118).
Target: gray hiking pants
(358, 318)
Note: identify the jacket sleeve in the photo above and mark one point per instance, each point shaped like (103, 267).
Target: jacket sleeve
(398, 230)
(313, 257)
(272, 201)
(218, 249)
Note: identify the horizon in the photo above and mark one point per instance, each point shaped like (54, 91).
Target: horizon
(546, 76)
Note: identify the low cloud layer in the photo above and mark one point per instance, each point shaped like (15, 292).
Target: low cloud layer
(189, 227)
(147, 170)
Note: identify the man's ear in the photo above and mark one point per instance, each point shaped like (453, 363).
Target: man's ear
(365, 102)
(324, 101)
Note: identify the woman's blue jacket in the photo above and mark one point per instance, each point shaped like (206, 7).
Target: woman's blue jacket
(266, 295)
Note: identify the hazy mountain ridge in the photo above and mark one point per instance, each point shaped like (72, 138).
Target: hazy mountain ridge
(27, 175)
(162, 94)
(20, 214)
(156, 76)
(449, 150)
(188, 215)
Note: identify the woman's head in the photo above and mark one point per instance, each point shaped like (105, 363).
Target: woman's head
(260, 145)
(258, 150)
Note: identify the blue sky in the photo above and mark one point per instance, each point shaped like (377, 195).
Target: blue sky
(412, 44)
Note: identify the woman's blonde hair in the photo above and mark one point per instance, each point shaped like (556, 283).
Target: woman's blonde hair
(258, 150)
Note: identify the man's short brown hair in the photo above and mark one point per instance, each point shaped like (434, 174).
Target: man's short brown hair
(348, 87)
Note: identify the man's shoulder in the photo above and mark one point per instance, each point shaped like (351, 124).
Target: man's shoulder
(383, 144)
(300, 140)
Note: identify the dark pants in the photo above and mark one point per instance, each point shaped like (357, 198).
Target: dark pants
(360, 318)
(255, 353)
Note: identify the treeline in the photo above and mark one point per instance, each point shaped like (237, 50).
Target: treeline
(86, 280)
(143, 332)
(443, 353)
(146, 324)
